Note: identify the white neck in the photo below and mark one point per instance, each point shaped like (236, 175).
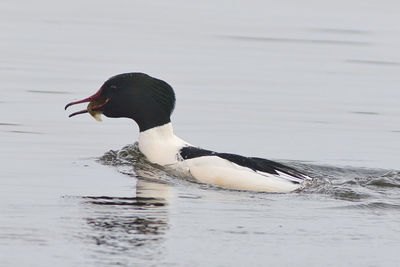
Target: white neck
(160, 145)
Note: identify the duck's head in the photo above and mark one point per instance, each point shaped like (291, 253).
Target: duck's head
(138, 96)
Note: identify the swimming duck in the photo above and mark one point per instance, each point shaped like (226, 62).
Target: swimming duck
(149, 102)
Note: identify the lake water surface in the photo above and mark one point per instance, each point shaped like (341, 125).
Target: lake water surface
(314, 85)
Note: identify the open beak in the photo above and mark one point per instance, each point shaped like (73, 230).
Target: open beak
(94, 108)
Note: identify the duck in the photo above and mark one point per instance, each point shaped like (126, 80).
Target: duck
(150, 102)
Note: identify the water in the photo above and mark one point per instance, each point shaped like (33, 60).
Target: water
(314, 85)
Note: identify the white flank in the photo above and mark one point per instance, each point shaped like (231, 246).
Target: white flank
(221, 172)
(161, 146)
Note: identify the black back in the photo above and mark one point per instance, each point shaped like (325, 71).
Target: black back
(256, 164)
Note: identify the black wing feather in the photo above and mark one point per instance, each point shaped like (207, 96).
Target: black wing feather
(256, 164)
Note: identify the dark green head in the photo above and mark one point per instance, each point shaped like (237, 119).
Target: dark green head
(146, 100)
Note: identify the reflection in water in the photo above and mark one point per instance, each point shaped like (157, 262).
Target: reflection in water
(123, 224)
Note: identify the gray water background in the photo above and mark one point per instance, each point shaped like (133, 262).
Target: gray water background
(314, 84)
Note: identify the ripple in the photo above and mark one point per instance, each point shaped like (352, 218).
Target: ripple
(386, 182)
(341, 31)
(128, 155)
(9, 124)
(297, 41)
(348, 183)
(373, 62)
(364, 112)
(24, 132)
(48, 92)
(373, 206)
